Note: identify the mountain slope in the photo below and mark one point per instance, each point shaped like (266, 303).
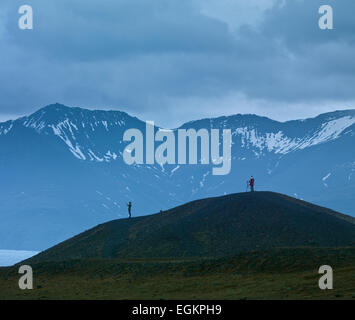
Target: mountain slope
(212, 228)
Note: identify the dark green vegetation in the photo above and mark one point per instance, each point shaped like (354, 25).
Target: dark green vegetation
(257, 246)
(213, 227)
(272, 274)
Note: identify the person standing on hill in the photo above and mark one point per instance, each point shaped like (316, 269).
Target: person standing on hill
(251, 184)
(129, 205)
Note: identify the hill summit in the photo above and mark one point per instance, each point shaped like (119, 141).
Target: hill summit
(212, 227)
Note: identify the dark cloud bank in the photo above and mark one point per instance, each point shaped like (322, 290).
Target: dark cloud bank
(170, 61)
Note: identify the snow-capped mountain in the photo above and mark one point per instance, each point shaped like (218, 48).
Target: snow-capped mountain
(62, 169)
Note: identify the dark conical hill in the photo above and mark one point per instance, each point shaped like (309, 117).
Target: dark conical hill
(212, 227)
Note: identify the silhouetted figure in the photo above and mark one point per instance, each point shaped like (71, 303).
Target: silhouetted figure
(251, 184)
(129, 205)
(161, 211)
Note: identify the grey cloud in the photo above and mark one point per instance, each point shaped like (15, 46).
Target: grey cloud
(92, 30)
(149, 56)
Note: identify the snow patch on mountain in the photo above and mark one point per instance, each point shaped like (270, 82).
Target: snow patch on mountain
(202, 182)
(280, 143)
(329, 131)
(59, 131)
(110, 155)
(325, 178)
(93, 156)
(6, 127)
(173, 170)
(272, 142)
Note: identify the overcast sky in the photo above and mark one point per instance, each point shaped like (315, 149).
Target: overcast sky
(176, 60)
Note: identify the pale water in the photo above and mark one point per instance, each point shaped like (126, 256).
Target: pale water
(10, 257)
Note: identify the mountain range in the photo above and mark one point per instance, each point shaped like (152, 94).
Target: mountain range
(62, 169)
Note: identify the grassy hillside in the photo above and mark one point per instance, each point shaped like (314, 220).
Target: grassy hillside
(214, 227)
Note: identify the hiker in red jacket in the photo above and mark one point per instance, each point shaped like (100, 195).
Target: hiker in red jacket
(251, 184)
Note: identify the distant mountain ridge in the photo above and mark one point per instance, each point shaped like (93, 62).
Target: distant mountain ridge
(285, 137)
(63, 170)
